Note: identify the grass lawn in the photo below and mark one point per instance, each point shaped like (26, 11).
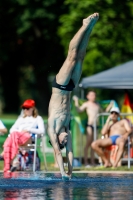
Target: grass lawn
(82, 168)
(96, 169)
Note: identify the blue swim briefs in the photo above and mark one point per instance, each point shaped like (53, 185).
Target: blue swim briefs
(114, 138)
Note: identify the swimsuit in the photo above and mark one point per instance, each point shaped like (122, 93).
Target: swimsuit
(69, 87)
(114, 138)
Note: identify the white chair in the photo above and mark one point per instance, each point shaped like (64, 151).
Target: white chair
(34, 146)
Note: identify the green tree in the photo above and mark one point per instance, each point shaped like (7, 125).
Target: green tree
(28, 38)
(111, 39)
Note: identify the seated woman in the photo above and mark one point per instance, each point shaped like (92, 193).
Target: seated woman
(21, 132)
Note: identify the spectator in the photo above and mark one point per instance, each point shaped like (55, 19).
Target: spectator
(117, 131)
(21, 132)
(92, 109)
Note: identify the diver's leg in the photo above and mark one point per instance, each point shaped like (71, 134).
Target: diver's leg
(76, 52)
(76, 73)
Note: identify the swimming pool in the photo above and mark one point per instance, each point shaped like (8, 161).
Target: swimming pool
(82, 186)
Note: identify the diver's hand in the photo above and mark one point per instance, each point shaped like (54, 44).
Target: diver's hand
(66, 177)
(69, 175)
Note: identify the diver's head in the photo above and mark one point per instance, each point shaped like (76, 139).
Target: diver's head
(62, 140)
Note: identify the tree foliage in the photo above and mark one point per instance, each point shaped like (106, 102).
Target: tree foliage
(28, 38)
(34, 33)
(111, 39)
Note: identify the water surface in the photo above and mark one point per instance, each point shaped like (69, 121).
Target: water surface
(41, 186)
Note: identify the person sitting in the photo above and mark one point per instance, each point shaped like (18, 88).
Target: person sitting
(24, 160)
(21, 132)
(117, 132)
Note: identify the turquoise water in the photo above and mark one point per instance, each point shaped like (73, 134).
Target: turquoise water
(41, 186)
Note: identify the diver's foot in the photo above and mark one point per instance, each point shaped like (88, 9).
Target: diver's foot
(91, 20)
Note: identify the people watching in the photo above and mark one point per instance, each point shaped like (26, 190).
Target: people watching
(92, 108)
(21, 132)
(117, 131)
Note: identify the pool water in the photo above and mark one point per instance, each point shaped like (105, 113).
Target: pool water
(90, 186)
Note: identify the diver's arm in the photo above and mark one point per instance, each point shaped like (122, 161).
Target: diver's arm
(69, 154)
(57, 151)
